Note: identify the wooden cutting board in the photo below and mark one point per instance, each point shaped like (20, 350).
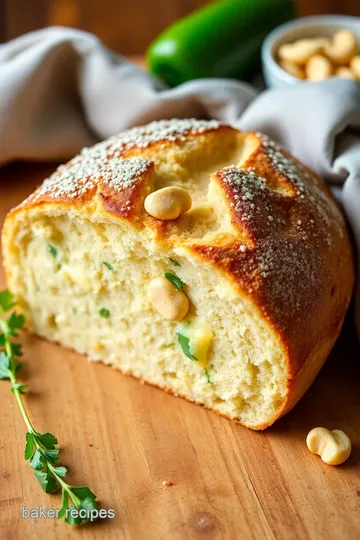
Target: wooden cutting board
(123, 439)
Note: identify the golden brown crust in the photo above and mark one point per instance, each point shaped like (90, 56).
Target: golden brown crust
(297, 262)
(291, 253)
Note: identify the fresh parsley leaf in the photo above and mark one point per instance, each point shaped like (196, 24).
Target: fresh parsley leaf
(108, 266)
(15, 322)
(52, 456)
(4, 359)
(83, 492)
(105, 313)
(64, 502)
(47, 439)
(16, 349)
(52, 250)
(60, 471)
(46, 481)
(19, 387)
(89, 504)
(30, 445)
(6, 300)
(69, 519)
(4, 366)
(185, 345)
(4, 374)
(2, 340)
(175, 280)
(18, 366)
(207, 375)
(174, 261)
(37, 461)
(42, 478)
(52, 485)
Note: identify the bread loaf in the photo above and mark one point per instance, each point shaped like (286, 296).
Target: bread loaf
(262, 256)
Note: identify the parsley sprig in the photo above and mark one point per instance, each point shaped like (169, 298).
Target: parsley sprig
(40, 448)
(174, 261)
(175, 280)
(108, 266)
(207, 376)
(185, 345)
(52, 250)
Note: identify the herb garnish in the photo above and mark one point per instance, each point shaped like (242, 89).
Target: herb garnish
(185, 345)
(175, 280)
(174, 261)
(52, 250)
(108, 266)
(105, 313)
(207, 375)
(40, 448)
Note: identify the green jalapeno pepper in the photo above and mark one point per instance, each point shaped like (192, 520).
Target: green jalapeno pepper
(222, 39)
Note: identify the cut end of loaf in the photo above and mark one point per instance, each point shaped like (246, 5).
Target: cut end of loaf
(72, 297)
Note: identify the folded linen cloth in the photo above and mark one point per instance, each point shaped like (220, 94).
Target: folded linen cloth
(62, 89)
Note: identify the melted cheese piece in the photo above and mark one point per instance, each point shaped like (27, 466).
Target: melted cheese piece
(199, 334)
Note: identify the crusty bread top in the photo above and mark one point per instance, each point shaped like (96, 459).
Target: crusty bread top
(290, 251)
(109, 167)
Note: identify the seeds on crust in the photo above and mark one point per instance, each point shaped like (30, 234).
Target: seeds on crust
(85, 172)
(104, 161)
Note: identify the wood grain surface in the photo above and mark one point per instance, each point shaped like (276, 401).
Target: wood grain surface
(123, 439)
(126, 26)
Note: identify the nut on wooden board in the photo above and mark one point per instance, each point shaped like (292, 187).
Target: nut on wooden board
(334, 447)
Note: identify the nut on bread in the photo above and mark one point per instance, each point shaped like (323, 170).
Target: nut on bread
(263, 257)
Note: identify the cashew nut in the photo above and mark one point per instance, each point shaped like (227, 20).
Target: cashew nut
(344, 73)
(292, 69)
(355, 66)
(319, 56)
(169, 301)
(300, 51)
(334, 447)
(168, 203)
(318, 68)
(342, 47)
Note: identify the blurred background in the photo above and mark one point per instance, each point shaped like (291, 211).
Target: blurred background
(127, 26)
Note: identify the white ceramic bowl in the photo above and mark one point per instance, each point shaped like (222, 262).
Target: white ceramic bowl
(321, 25)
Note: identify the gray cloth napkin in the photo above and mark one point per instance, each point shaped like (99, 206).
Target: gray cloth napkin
(61, 89)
